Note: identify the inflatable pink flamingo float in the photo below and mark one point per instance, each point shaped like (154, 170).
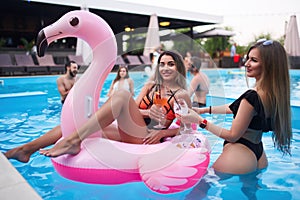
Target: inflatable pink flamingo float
(164, 168)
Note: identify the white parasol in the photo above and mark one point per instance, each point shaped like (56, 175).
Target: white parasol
(292, 41)
(152, 38)
(215, 32)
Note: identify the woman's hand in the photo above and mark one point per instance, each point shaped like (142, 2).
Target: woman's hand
(153, 137)
(157, 113)
(191, 117)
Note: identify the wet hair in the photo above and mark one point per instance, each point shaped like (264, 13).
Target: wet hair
(275, 84)
(118, 77)
(181, 78)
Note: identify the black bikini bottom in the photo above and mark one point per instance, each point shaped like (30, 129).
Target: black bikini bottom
(257, 149)
(199, 105)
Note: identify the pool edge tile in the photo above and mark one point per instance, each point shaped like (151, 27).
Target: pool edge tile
(12, 183)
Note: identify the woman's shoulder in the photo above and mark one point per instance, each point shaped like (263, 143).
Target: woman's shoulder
(148, 85)
(181, 93)
(250, 94)
(253, 98)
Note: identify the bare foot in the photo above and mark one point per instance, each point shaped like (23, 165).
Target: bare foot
(65, 146)
(21, 154)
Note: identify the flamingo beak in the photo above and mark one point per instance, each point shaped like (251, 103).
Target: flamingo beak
(41, 43)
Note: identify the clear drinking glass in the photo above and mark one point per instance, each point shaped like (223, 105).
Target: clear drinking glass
(181, 108)
(160, 98)
(185, 139)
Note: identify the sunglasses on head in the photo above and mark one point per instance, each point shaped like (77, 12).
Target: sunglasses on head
(265, 42)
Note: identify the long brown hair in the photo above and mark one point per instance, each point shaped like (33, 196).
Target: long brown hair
(181, 78)
(118, 77)
(275, 84)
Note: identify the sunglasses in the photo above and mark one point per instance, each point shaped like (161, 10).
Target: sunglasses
(265, 42)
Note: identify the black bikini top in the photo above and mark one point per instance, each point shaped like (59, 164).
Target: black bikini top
(259, 121)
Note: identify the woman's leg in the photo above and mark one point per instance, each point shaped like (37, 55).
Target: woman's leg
(23, 153)
(263, 161)
(121, 107)
(236, 159)
(111, 132)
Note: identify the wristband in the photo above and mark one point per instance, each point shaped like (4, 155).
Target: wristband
(203, 124)
(209, 109)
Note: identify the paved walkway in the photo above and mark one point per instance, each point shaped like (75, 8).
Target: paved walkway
(12, 184)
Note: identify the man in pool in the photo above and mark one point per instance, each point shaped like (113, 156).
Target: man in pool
(64, 85)
(66, 81)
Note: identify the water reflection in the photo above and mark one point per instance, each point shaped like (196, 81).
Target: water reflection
(224, 186)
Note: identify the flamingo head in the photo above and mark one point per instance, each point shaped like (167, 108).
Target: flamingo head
(82, 24)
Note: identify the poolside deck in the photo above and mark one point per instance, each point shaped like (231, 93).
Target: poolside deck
(12, 184)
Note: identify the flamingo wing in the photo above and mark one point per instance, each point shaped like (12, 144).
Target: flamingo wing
(173, 169)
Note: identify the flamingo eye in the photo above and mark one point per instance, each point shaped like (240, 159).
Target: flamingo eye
(74, 21)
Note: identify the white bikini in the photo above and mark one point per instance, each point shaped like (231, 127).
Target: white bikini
(125, 85)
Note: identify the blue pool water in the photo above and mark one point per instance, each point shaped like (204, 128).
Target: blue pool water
(281, 180)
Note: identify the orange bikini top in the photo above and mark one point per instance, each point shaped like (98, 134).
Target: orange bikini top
(147, 102)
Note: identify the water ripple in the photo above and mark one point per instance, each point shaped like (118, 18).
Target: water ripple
(281, 180)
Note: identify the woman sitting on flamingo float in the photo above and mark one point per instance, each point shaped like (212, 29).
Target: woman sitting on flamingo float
(83, 154)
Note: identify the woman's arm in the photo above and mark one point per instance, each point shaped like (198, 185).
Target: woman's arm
(222, 109)
(239, 124)
(155, 136)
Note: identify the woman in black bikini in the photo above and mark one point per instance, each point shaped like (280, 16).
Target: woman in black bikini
(264, 108)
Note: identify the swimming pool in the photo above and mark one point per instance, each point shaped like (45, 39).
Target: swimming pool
(281, 180)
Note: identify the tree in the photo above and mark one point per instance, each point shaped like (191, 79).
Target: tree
(211, 45)
(27, 45)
